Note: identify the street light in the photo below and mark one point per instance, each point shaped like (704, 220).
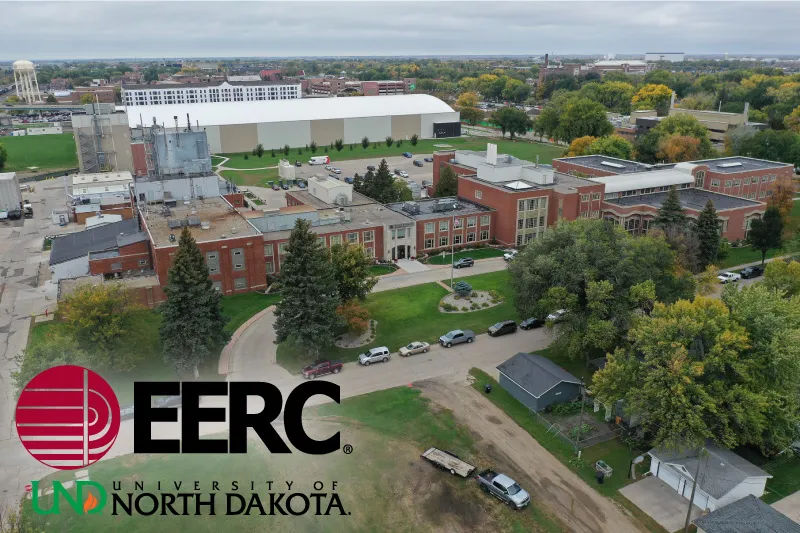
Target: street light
(452, 245)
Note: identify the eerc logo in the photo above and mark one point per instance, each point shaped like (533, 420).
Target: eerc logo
(67, 417)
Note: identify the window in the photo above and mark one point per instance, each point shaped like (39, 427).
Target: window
(401, 233)
(336, 239)
(584, 197)
(520, 237)
(769, 193)
(443, 241)
(270, 267)
(533, 204)
(142, 262)
(520, 223)
(267, 250)
(728, 183)
(762, 194)
(747, 181)
(699, 178)
(457, 239)
(472, 221)
(370, 251)
(595, 214)
(484, 220)
(240, 283)
(321, 241)
(772, 178)
(521, 205)
(212, 261)
(444, 225)
(284, 245)
(369, 236)
(471, 237)
(478, 194)
(595, 196)
(217, 285)
(715, 183)
(541, 221)
(764, 179)
(736, 183)
(429, 227)
(237, 257)
(352, 238)
(484, 235)
(529, 222)
(585, 214)
(428, 243)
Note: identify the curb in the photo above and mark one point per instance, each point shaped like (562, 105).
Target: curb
(226, 357)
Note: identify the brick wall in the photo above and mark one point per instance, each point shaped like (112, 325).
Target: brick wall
(139, 159)
(130, 258)
(235, 199)
(442, 159)
(559, 165)
(437, 233)
(756, 189)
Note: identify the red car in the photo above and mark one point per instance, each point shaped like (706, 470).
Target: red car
(322, 367)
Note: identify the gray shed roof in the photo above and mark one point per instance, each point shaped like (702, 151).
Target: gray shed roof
(97, 239)
(535, 373)
(132, 238)
(748, 515)
(722, 470)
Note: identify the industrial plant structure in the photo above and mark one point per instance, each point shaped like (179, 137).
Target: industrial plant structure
(25, 81)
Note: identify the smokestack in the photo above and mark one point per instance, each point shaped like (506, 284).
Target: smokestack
(746, 109)
(491, 154)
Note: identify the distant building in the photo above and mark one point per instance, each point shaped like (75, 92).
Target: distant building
(245, 77)
(99, 94)
(227, 91)
(102, 139)
(628, 66)
(672, 57)
(341, 86)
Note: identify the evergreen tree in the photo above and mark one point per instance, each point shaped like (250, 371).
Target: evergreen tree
(447, 184)
(671, 215)
(707, 228)
(193, 324)
(765, 233)
(380, 186)
(306, 313)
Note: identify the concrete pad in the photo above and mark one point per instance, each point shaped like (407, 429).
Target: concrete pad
(411, 267)
(661, 502)
(790, 506)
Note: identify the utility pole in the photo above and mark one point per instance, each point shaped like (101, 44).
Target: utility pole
(580, 424)
(700, 453)
(452, 246)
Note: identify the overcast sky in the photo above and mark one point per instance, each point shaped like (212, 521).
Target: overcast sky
(112, 29)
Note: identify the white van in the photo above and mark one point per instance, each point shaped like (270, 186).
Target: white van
(319, 160)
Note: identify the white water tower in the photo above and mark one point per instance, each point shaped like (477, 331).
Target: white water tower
(25, 81)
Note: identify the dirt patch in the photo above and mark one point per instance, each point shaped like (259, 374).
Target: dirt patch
(479, 300)
(350, 341)
(511, 449)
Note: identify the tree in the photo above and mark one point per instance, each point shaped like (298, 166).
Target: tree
(355, 316)
(671, 215)
(616, 95)
(472, 115)
(707, 281)
(581, 117)
(87, 99)
(98, 315)
(3, 156)
(351, 270)
(707, 228)
(612, 145)
(306, 313)
(286, 149)
(151, 74)
(773, 145)
(580, 146)
(193, 324)
(686, 125)
(447, 184)
(679, 148)
(365, 142)
(601, 274)
(736, 138)
(783, 276)
(51, 99)
(259, 150)
(313, 147)
(646, 147)
(338, 144)
(511, 120)
(653, 96)
(414, 139)
(379, 186)
(766, 232)
(677, 375)
(404, 194)
(782, 199)
(792, 120)
(701, 100)
(389, 142)
(57, 348)
(467, 99)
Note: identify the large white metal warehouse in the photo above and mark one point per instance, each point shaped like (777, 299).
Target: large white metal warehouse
(239, 126)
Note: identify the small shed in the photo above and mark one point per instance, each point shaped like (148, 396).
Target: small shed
(537, 382)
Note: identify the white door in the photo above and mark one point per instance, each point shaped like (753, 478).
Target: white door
(666, 474)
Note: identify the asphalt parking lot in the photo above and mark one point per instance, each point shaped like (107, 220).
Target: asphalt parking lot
(353, 166)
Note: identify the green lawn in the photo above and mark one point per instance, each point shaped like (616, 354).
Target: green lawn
(744, 255)
(520, 148)
(478, 253)
(381, 270)
(240, 307)
(257, 178)
(47, 152)
(412, 314)
(785, 480)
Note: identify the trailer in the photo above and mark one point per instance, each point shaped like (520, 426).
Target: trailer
(10, 195)
(444, 460)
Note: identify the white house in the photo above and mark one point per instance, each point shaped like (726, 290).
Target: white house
(724, 476)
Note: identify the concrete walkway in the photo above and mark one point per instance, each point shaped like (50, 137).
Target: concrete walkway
(432, 275)
(790, 506)
(412, 267)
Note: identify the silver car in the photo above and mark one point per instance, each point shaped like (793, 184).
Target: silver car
(374, 355)
(414, 348)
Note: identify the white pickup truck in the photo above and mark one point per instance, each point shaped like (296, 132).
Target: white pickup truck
(503, 488)
(726, 277)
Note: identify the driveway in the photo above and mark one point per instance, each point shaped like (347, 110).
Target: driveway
(661, 502)
(437, 273)
(790, 506)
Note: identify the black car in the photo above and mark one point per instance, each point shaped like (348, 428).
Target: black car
(417, 163)
(371, 168)
(502, 328)
(464, 262)
(751, 272)
(429, 160)
(298, 164)
(531, 323)
(397, 172)
(285, 187)
(168, 401)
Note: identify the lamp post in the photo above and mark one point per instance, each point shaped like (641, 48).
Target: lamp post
(452, 245)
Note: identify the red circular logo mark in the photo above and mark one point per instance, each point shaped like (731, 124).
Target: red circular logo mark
(68, 417)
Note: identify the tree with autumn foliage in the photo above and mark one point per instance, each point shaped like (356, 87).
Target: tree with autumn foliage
(467, 99)
(783, 191)
(653, 96)
(579, 146)
(355, 316)
(679, 148)
(612, 146)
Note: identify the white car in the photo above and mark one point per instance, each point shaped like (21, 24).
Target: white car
(508, 256)
(725, 277)
(556, 316)
(336, 170)
(374, 355)
(403, 174)
(328, 167)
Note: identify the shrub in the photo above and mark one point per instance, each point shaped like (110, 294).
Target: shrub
(566, 408)
(463, 289)
(494, 295)
(474, 294)
(474, 306)
(464, 309)
(583, 428)
(355, 316)
(484, 304)
(399, 143)
(389, 142)
(457, 297)
(414, 139)
(448, 307)
(365, 143)
(246, 156)
(313, 147)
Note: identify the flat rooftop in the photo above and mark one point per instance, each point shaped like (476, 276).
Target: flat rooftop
(606, 164)
(204, 84)
(560, 181)
(223, 222)
(731, 165)
(694, 199)
(427, 208)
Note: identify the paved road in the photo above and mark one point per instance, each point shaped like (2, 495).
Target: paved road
(438, 273)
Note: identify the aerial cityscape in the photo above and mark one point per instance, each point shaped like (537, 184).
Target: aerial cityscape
(382, 267)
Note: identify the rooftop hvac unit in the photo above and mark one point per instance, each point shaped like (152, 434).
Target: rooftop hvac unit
(411, 207)
(193, 221)
(205, 224)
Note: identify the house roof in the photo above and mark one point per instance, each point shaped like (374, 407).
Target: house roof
(79, 244)
(300, 109)
(534, 373)
(748, 515)
(694, 199)
(721, 471)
